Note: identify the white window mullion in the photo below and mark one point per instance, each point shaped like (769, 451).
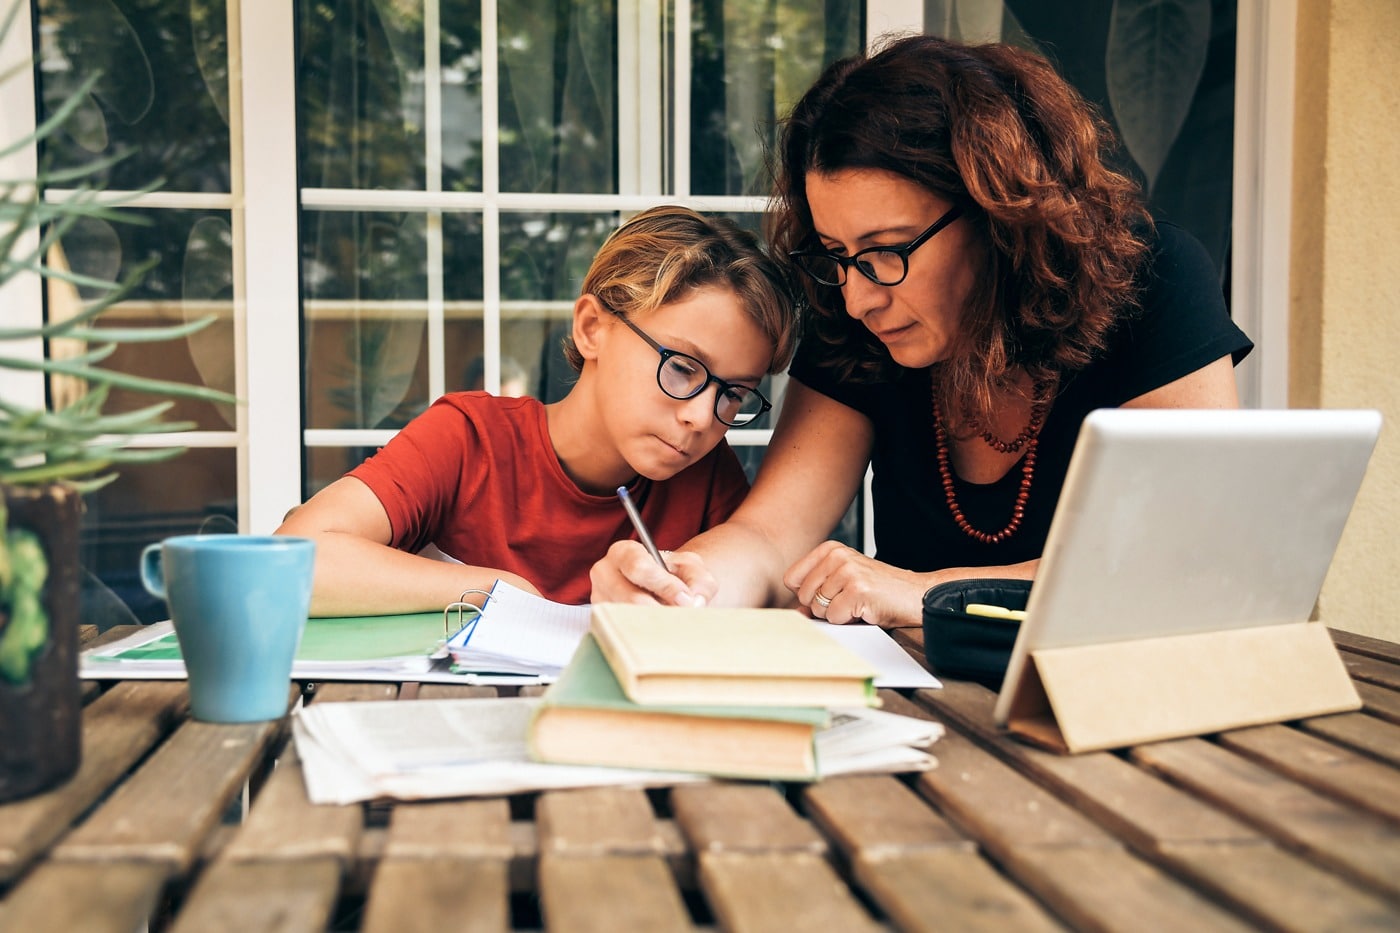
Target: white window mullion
(491, 188)
(1261, 215)
(262, 116)
(680, 102)
(21, 297)
(432, 135)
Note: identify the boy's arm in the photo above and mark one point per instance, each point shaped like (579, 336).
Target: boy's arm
(358, 573)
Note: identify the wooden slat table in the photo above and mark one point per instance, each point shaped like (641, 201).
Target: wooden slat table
(179, 825)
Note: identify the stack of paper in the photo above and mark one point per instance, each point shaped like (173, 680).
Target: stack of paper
(428, 749)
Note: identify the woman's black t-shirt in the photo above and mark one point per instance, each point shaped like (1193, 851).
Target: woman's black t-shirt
(1182, 324)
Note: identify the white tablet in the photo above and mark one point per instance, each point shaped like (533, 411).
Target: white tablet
(1174, 522)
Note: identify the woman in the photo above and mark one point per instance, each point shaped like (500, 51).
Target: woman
(680, 317)
(979, 281)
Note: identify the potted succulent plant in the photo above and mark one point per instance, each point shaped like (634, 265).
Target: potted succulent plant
(50, 456)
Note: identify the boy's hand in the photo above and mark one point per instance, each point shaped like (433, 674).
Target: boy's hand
(628, 574)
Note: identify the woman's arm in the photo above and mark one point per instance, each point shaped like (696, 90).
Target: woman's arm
(1211, 386)
(814, 465)
(358, 573)
(859, 587)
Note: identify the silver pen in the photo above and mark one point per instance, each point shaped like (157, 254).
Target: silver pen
(641, 527)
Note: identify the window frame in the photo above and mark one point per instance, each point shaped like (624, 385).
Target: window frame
(269, 437)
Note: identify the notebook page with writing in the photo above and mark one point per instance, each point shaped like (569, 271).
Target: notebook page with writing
(521, 627)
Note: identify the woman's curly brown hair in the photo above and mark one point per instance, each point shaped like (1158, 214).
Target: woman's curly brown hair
(995, 129)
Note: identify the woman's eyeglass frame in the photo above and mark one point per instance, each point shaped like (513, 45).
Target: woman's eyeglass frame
(844, 263)
(667, 354)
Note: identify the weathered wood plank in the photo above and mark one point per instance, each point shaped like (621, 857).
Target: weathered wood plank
(1366, 644)
(446, 865)
(1074, 866)
(459, 829)
(321, 831)
(454, 691)
(877, 815)
(270, 897)
(1368, 734)
(465, 895)
(721, 817)
(1108, 889)
(1372, 671)
(607, 893)
(1137, 807)
(1380, 701)
(947, 889)
(1330, 833)
(597, 821)
(1000, 808)
(1317, 763)
(1279, 890)
(109, 898)
(87, 634)
(750, 892)
(118, 729)
(1237, 864)
(336, 691)
(166, 809)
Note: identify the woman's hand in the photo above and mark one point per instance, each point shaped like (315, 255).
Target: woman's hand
(628, 574)
(840, 584)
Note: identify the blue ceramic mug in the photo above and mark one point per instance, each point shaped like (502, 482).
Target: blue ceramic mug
(239, 605)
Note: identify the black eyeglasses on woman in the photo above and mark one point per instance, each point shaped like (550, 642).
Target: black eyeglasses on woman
(883, 265)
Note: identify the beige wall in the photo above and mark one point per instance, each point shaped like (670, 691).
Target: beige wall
(1344, 348)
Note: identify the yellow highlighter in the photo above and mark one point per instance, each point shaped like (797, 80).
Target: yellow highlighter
(994, 612)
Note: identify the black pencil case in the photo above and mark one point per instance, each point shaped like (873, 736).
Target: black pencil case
(963, 646)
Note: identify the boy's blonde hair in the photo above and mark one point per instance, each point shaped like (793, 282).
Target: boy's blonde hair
(665, 253)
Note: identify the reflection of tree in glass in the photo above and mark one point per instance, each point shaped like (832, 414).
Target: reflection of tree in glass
(367, 260)
(751, 60)
(360, 98)
(164, 81)
(557, 96)
(359, 81)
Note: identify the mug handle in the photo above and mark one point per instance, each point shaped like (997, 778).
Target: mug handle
(153, 571)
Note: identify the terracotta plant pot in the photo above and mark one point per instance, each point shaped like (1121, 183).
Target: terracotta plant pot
(40, 697)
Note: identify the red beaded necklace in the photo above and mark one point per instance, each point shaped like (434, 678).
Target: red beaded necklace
(1028, 438)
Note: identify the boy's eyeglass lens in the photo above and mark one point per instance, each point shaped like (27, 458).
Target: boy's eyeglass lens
(883, 265)
(683, 377)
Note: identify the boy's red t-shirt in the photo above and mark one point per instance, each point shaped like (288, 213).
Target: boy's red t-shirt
(476, 475)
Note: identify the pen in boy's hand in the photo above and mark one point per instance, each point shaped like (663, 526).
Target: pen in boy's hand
(637, 523)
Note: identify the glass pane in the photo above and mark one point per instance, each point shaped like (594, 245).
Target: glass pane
(325, 465)
(364, 336)
(360, 95)
(192, 279)
(197, 492)
(558, 102)
(1167, 90)
(544, 258)
(161, 98)
(752, 60)
(460, 53)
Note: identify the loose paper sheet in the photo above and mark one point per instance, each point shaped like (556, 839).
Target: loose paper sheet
(461, 748)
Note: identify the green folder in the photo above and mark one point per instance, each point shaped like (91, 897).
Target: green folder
(349, 638)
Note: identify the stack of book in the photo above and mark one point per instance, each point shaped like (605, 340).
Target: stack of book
(751, 693)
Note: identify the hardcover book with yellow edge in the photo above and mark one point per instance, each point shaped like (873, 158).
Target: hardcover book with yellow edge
(585, 718)
(741, 657)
